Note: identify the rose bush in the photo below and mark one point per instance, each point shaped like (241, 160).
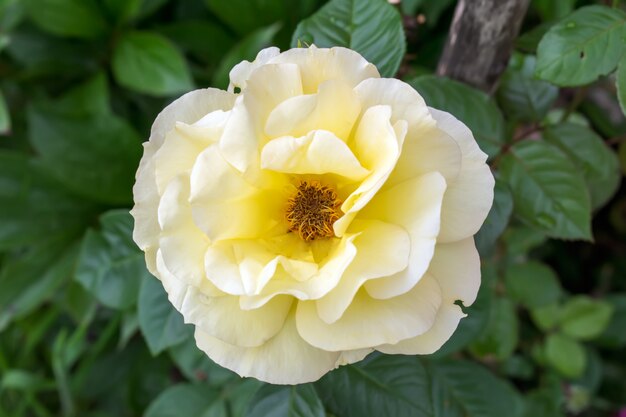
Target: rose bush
(312, 214)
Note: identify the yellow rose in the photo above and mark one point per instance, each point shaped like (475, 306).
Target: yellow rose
(312, 214)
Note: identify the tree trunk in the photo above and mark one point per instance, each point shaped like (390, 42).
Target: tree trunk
(480, 41)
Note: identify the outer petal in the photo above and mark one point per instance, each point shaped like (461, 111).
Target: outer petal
(446, 322)
(284, 359)
(319, 65)
(241, 72)
(320, 152)
(416, 206)
(371, 322)
(469, 197)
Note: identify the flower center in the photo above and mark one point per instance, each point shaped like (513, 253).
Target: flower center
(312, 211)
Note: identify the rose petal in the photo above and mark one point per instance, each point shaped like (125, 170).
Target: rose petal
(456, 267)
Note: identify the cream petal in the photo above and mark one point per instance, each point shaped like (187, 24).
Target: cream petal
(243, 133)
(240, 73)
(319, 152)
(371, 322)
(382, 249)
(146, 230)
(351, 356)
(176, 289)
(456, 266)
(335, 108)
(446, 322)
(222, 318)
(469, 197)
(318, 65)
(415, 205)
(284, 359)
(377, 146)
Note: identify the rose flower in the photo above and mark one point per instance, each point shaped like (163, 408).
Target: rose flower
(312, 214)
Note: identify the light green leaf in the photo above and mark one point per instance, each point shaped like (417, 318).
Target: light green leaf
(566, 355)
(246, 49)
(95, 156)
(373, 28)
(497, 219)
(548, 191)
(110, 265)
(161, 325)
(71, 18)
(584, 318)
(501, 336)
(286, 401)
(521, 95)
(407, 386)
(533, 284)
(546, 317)
(620, 82)
(149, 63)
(521, 239)
(5, 117)
(186, 400)
(597, 162)
(586, 44)
(473, 107)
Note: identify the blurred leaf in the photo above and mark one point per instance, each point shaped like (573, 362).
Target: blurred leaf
(185, 400)
(123, 10)
(528, 41)
(191, 36)
(95, 156)
(501, 336)
(89, 98)
(149, 63)
(583, 318)
(473, 107)
(497, 220)
(197, 366)
(373, 28)
(597, 162)
(620, 82)
(11, 14)
(286, 401)
(521, 95)
(21, 380)
(72, 18)
(241, 396)
(400, 386)
(246, 49)
(614, 335)
(586, 44)
(33, 205)
(5, 118)
(533, 284)
(161, 325)
(546, 317)
(110, 265)
(566, 355)
(546, 189)
(553, 9)
(521, 239)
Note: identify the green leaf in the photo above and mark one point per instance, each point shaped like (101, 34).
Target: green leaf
(598, 164)
(246, 49)
(473, 107)
(620, 83)
(406, 386)
(286, 401)
(584, 318)
(586, 44)
(161, 325)
(197, 366)
(185, 400)
(497, 219)
(123, 10)
(87, 99)
(521, 95)
(546, 317)
(95, 156)
(532, 284)
(566, 355)
(242, 395)
(614, 335)
(373, 28)
(191, 36)
(553, 9)
(33, 205)
(501, 336)
(5, 117)
(521, 239)
(149, 63)
(110, 265)
(71, 18)
(548, 191)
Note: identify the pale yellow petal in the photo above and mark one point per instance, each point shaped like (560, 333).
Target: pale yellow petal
(319, 152)
(241, 72)
(456, 267)
(146, 230)
(370, 322)
(284, 359)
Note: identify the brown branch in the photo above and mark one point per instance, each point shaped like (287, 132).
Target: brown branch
(480, 41)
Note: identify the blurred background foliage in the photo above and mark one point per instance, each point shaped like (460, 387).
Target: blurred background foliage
(86, 331)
